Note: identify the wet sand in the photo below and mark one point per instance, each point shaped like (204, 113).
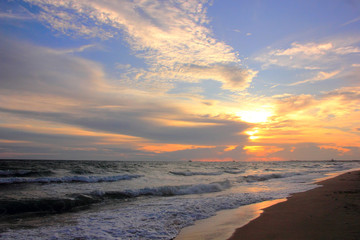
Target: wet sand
(223, 224)
(328, 212)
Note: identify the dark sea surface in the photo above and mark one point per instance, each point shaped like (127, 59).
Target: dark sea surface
(52, 199)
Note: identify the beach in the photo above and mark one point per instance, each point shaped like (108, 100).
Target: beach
(331, 211)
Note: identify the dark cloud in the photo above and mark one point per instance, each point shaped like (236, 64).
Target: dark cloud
(96, 107)
(28, 68)
(218, 132)
(315, 151)
(347, 93)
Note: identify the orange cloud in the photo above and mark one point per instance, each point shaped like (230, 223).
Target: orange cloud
(261, 151)
(13, 141)
(230, 148)
(163, 147)
(339, 149)
(227, 159)
(265, 159)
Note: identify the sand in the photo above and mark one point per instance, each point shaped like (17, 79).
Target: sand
(328, 212)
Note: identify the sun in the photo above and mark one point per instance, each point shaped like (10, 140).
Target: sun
(254, 116)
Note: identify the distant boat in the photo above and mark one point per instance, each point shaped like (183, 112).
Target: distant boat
(332, 160)
(190, 160)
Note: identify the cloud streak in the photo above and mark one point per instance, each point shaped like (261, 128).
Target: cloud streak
(320, 76)
(311, 56)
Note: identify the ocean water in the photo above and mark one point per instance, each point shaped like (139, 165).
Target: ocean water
(138, 200)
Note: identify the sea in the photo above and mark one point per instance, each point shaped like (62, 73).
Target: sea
(54, 199)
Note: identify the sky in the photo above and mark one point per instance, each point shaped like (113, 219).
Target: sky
(219, 80)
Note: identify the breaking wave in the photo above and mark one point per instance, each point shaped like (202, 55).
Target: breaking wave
(234, 171)
(265, 177)
(73, 201)
(45, 205)
(189, 173)
(169, 190)
(24, 173)
(69, 179)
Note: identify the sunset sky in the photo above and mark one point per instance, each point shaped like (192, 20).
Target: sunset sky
(217, 80)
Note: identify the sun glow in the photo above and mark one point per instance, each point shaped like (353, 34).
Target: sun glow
(257, 116)
(252, 133)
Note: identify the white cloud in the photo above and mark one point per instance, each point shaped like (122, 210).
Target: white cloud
(352, 21)
(312, 56)
(14, 16)
(320, 76)
(233, 77)
(306, 49)
(318, 60)
(169, 35)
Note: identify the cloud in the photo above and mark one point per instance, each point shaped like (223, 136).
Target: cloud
(49, 96)
(232, 77)
(351, 21)
(308, 49)
(294, 103)
(327, 119)
(170, 36)
(77, 49)
(14, 16)
(318, 61)
(320, 76)
(312, 56)
(336, 105)
(19, 14)
(262, 151)
(33, 69)
(347, 94)
(141, 124)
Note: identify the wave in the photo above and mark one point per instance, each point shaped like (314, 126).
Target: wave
(189, 173)
(234, 171)
(24, 173)
(81, 171)
(168, 190)
(46, 205)
(265, 177)
(77, 201)
(69, 179)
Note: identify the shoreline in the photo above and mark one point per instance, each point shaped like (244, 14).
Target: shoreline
(225, 222)
(331, 211)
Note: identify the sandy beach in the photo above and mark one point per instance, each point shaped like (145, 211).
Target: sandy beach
(328, 212)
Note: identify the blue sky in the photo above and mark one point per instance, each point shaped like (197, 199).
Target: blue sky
(176, 80)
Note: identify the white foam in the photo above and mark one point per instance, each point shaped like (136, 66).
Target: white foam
(189, 173)
(160, 219)
(169, 190)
